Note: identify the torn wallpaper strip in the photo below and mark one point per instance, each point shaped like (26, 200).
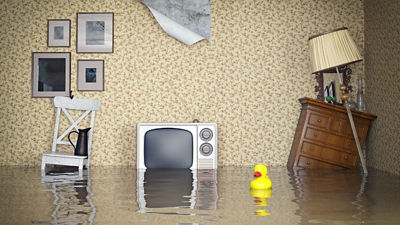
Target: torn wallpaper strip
(186, 20)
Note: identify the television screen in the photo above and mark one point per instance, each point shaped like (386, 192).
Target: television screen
(168, 148)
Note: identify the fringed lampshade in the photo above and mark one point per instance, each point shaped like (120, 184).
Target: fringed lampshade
(332, 49)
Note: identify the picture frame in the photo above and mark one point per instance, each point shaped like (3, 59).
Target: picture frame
(330, 81)
(94, 32)
(332, 91)
(326, 93)
(58, 33)
(51, 74)
(90, 75)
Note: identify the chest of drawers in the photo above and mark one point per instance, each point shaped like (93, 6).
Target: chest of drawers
(324, 138)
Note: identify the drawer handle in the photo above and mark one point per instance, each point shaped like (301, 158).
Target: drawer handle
(346, 157)
(308, 163)
(319, 120)
(315, 135)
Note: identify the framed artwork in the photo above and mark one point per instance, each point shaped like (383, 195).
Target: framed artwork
(330, 80)
(58, 33)
(51, 72)
(90, 75)
(95, 32)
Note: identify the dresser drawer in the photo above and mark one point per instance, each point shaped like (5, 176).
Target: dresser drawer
(349, 159)
(311, 163)
(312, 150)
(335, 125)
(328, 154)
(350, 144)
(329, 139)
(318, 120)
(316, 135)
(346, 130)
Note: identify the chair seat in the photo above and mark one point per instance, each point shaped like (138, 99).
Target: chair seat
(64, 155)
(63, 158)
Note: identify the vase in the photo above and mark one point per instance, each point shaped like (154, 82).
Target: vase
(360, 96)
(351, 103)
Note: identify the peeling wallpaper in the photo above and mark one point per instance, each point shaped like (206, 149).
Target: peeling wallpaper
(248, 80)
(382, 32)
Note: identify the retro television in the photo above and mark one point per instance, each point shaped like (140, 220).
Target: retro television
(177, 146)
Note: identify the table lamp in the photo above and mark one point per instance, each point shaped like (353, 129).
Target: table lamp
(333, 50)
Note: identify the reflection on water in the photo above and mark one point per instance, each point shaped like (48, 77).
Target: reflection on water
(159, 188)
(72, 198)
(339, 197)
(178, 189)
(126, 196)
(329, 198)
(261, 200)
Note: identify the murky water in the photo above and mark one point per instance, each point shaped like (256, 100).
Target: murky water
(127, 196)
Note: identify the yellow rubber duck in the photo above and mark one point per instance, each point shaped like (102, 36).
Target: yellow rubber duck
(262, 180)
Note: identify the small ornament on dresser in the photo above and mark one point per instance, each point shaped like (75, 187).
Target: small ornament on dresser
(360, 96)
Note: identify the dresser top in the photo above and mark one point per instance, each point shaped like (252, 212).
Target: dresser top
(315, 102)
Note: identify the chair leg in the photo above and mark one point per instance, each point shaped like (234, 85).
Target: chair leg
(43, 168)
(80, 168)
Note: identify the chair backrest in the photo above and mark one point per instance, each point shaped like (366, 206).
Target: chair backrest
(77, 104)
(66, 103)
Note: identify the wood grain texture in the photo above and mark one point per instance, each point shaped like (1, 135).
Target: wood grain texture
(323, 136)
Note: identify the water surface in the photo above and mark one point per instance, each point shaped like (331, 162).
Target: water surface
(127, 196)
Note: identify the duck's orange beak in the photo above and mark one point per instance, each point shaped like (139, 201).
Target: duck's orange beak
(257, 174)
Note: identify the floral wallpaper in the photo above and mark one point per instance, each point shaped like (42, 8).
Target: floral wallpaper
(382, 69)
(247, 80)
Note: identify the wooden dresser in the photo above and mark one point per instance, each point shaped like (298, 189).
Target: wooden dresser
(324, 138)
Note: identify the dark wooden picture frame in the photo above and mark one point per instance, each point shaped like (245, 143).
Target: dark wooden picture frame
(95, 32)
(58, 33)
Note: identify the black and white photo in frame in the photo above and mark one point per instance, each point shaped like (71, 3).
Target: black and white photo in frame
(51, 72)
(95, 33)
(58, 33)
(90, 75)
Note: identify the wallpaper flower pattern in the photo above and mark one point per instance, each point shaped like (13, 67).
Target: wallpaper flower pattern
(248, 80)
(382, 31)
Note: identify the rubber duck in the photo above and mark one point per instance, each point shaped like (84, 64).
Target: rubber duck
(262, 180)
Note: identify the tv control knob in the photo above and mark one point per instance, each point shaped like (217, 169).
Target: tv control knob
(206, 149)
(206, 134)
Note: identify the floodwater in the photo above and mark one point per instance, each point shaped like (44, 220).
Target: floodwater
(126, 196)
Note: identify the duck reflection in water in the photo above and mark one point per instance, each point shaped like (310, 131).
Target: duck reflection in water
(176, 188)
(260, 200)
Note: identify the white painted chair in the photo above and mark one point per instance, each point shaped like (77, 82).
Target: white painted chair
(63, 158)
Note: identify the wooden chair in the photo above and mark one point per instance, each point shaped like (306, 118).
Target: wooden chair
(63, 158)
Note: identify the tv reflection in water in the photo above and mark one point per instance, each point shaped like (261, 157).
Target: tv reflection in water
(176, 188)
